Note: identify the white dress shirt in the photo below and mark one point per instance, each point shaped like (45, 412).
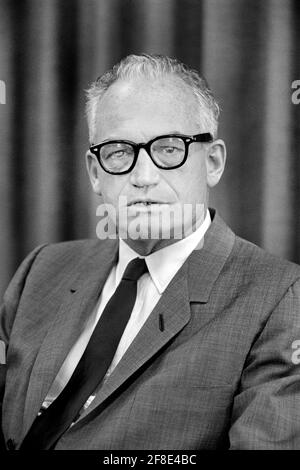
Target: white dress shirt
(162, 267)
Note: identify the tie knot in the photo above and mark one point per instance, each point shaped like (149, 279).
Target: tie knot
(135, 269)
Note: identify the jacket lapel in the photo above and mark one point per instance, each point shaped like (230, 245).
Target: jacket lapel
(206, 264)
(80, 298)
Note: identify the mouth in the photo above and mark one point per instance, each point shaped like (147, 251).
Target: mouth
(147, 206)
(144, 203)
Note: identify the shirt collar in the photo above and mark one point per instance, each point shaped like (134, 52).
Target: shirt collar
(164, 263)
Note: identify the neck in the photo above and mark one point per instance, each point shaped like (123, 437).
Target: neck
(145, 247)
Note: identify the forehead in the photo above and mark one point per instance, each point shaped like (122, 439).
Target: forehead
(164, 102)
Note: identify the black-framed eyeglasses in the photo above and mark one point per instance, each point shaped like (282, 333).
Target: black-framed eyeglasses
(167, 152)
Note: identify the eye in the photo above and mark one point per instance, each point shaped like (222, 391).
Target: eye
(169, 149)
(117, 154)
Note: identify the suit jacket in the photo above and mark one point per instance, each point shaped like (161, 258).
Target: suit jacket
(219, 376)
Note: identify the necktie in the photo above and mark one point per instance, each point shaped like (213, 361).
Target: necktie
(97, 357)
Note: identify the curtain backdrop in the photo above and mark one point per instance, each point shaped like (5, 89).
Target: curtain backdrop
(51, 50)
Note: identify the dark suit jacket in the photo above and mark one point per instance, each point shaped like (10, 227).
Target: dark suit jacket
(219, 376)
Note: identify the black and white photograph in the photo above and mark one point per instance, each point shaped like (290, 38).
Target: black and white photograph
(149, 228)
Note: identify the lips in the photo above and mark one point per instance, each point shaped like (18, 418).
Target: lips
(144, 202)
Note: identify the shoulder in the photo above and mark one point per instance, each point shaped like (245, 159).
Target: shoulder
(247, 267)
(261, 265)
(261, 278)
(78, 248)
(71, 255)
(64, 259)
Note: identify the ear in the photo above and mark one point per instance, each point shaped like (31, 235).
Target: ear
(94, 171)
(215, 162)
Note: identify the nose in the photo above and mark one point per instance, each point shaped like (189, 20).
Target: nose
(145, 173)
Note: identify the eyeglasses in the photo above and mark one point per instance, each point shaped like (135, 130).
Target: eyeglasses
(167, 152)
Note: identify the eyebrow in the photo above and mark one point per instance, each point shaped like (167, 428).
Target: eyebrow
(111, 138)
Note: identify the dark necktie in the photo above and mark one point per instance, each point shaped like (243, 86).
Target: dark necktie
(92, 367)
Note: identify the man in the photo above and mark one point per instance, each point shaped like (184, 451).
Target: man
(205, 357)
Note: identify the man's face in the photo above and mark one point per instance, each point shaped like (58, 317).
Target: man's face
(139, 111)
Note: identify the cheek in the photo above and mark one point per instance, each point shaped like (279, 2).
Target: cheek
(109, 191)
(112, 188)
(197, 179)
(189, 184)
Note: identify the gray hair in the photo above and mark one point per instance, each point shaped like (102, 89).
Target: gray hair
(155, 66)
